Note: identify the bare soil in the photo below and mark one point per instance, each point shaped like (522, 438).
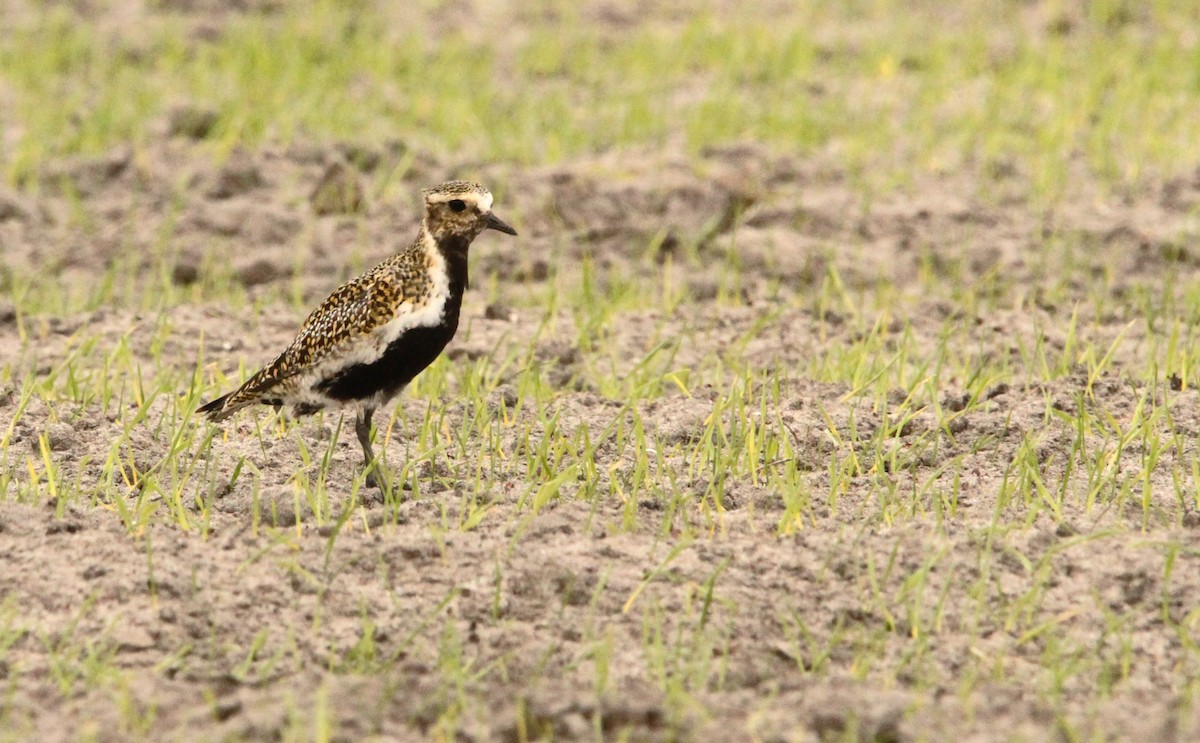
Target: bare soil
(527, 597)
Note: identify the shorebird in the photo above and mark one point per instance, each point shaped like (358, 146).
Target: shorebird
(374, 334)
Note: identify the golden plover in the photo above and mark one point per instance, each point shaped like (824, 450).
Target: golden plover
(371, 336)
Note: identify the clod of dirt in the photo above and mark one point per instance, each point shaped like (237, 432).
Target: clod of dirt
(59, 437)
(261, 271)
(280, 506)
(955, 403)
(704, 289)
(1182, 194)
(1134, 587)
(996, 391)
(1060, 25)
(8, 313)
(185, 272)
(339, 191)
(88, 175)
(239, 175)
(667, 247)
(562, 361)
(277, 506)
(636, 714)
(735, 205)
(220, 219)
(361, 156)
(470, 354)
(504, 393)
(679, 421)
(226, 708)
(191, 121)
(574, 589)
(68, 524)
(873, 725)
(499, 312)
(539, 271)
(1066, 529)
(269, 226)
(563, 352)
(12, 206)
(1172, 252)
(130, 638)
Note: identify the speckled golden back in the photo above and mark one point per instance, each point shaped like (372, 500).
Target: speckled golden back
(353, 310)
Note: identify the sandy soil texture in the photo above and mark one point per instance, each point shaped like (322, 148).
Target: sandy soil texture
(527, 597)
(914, 594)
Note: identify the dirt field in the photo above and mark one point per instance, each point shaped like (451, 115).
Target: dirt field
(728, 447)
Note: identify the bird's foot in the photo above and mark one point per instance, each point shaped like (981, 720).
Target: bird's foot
(379, 477)
(374, 481)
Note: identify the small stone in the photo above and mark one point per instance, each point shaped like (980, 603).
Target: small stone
(8, 313)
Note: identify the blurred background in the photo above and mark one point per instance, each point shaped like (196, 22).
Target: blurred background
(885, 88)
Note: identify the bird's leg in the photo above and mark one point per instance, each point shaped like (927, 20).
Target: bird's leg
(362, 427)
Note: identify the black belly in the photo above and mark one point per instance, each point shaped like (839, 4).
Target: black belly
(404, 358)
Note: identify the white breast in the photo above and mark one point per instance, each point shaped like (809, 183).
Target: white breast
(417, 316)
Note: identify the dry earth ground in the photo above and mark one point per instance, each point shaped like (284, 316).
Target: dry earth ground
(955, 557)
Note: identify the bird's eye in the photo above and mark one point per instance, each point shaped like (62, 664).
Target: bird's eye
(457, 205)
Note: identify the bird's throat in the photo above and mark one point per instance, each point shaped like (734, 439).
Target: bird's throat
(454, 249)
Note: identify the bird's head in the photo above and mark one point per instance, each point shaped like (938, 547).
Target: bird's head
(461, 209)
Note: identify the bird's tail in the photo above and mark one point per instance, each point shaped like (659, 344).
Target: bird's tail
(259, 388)
(224, 406)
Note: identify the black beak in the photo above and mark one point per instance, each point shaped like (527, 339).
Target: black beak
(491, 221)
